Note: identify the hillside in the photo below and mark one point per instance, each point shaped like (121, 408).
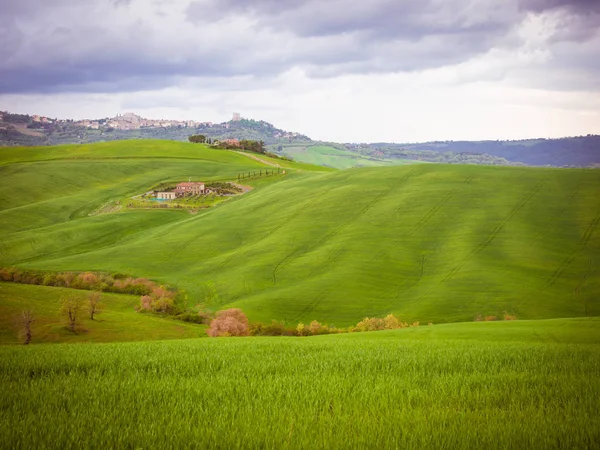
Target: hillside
(23, 129)
(477, 385)
(117, 322)
(335, 155)
(581, 151)
(434, 243)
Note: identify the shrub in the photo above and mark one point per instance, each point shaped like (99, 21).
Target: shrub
(370, 324)
(86, 280)
(229, 322)
(6, 274)
(146, 303)
(315, 327)
(255, 329)
(508, 316)
(49, 279)
(189, 317)
(275, 328)
(205, 317)
(164, 305)
(301, 330)
(64, 279)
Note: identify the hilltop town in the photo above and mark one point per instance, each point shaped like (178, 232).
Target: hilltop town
(24, 129)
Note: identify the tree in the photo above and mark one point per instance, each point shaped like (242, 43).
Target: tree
(24, 321)
(94, 306)
(197, 138)
(229, 322)
(70, 311)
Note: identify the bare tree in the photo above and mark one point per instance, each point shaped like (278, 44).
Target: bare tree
(70, 311)
(94, 306)
(24, 321)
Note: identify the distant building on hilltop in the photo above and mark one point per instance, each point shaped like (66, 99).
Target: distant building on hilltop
(236, 117)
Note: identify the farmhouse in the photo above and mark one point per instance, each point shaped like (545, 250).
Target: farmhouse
(189, 188)
(165, 195)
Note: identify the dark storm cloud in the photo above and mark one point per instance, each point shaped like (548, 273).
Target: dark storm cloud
(411, 19)
(61, 46)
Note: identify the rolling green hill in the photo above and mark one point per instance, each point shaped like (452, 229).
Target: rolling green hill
(523, 384)
(118, 321)
(329, 156)
(433, 243)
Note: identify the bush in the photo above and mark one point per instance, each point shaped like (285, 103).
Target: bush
(389, 322)
(229, 322)
(370, 324)
(302, 330)
(6, 274)
(49, 279)
(189, 317)
(205, 317)
(315, 327)
(164, 305)
(275, 328)
(145, 303)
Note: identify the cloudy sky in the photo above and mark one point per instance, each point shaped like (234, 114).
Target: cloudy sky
(340, 70)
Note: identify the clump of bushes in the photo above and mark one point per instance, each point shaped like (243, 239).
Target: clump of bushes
(162, 299)
(91, 281)
(493, 318)
(192, 317)
(221, 326)
(389, 322)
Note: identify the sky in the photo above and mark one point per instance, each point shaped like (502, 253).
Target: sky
(335, 70)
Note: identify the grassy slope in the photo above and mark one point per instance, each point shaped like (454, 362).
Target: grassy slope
(429, 242)
(476, 385)
(325, 155)
(117, 322)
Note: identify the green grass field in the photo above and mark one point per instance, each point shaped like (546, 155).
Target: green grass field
(325, 155)
(476, 385)
(429, 243)
(117, 322)
(433, 243)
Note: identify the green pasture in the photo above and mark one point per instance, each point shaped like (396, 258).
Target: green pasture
(118, 321)
(429, 243)
(475, 385)
(325, 155)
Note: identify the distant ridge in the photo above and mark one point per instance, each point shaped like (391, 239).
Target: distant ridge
(35, 130)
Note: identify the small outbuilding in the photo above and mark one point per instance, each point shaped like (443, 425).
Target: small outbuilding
(165, 195)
